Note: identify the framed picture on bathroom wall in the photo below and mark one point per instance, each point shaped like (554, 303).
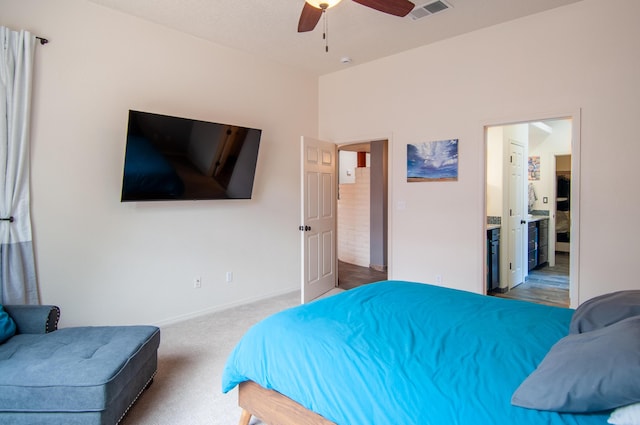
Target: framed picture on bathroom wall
(435, 161)
(534, 168)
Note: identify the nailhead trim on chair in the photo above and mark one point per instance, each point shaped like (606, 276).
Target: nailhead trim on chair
(137, 396)
(54, 323)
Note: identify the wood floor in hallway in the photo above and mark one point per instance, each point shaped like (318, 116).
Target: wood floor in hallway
(546, 285)
(351, 276)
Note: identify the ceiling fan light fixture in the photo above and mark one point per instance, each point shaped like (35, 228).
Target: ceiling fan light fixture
(323, 4)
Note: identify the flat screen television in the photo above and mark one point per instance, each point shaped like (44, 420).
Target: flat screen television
(172, 158)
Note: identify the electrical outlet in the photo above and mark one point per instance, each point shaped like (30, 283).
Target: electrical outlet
(229, 277)
(197, 283)
(438, 278)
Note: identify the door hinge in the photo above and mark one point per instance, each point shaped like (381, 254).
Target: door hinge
(510, 266)
(304, 228)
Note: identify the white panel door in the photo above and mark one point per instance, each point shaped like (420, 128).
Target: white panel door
(517, 230)
(318, 228)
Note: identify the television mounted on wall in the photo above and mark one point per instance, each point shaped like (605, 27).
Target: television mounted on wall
(173, 158)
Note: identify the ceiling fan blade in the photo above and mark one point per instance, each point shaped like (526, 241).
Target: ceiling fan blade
(392, 7)
(309, 18)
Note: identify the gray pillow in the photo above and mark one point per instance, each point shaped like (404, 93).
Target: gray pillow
(587, 372)
(605, 310)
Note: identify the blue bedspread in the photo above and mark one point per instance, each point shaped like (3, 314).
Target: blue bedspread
(405, 353)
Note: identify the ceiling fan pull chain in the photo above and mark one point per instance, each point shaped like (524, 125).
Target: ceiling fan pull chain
(325, 34)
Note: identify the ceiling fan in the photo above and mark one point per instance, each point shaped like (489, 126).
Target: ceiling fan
(313, 10)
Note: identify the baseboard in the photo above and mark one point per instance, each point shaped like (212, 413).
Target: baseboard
(222, 307)
(378, 267)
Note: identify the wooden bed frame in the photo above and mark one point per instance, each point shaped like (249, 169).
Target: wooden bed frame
(273, 408)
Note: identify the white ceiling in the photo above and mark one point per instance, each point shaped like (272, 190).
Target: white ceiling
(269, 28)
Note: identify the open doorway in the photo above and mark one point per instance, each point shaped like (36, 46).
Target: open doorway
(529, 246)
(362, 213)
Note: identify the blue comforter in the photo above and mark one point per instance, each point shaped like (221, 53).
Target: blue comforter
(405, 353)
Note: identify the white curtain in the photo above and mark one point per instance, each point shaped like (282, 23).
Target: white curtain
(17, 266)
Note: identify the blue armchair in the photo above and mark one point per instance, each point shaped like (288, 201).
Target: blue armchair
(79, 375)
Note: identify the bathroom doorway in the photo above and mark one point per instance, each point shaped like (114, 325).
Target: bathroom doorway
(545, 251)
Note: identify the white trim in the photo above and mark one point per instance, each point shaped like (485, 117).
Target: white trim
(574, 253)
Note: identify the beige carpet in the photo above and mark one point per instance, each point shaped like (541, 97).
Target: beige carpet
(192, 354)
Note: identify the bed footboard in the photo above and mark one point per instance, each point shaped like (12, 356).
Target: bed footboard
(274, 408)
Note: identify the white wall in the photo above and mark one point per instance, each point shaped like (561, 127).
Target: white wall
(354, 219)
(578, 57)
(106, 262)
(347, 162)
(494, 171)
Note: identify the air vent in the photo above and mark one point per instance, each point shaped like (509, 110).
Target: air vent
(429, 9)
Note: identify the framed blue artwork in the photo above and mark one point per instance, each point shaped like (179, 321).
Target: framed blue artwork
(432, 161)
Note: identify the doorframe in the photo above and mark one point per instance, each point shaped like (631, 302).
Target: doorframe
(575, 115)
(553, 161)
(390, 199)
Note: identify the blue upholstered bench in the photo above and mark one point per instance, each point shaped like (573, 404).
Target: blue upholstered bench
(81, 375)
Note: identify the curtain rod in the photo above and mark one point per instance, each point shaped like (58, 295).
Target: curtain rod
(43, 41)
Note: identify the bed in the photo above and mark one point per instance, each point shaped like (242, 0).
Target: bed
(406, 353)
